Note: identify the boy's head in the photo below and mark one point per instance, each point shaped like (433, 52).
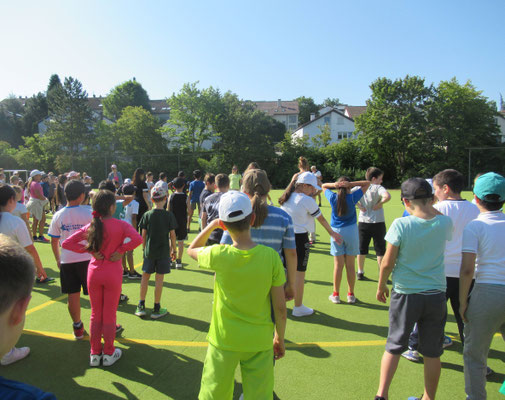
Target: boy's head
(448, 183)
(181, 174)
(158, 194)
(17, 273)
(374, 174)
(210, 180)
(197, 174)
(128, 189)
(162, 176)
(179, 183)
(418, 191)
(235, 211)
(107, 185)
(222, 182)
(490, 190)
(14, 180)
(19, 192)
(74, 189)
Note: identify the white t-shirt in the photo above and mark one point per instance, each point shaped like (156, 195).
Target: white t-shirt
(461, 213)
(302, 209)
(484, 236)
(372, 196)
(131, 209)
(64, 224)
(15, 228)
(19, 210)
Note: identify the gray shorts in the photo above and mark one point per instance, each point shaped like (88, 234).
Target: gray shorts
(161, 266)
(430, 313)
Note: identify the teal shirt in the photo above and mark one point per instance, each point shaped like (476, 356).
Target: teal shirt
(420, 263)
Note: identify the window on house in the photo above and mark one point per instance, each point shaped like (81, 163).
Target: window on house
(292, 119)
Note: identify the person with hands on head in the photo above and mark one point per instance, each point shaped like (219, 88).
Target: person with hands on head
(415, 257)
(249, 283)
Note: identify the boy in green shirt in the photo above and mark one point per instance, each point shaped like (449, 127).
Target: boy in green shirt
(249, 281)
(158, 234)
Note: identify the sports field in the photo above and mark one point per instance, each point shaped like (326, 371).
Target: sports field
(333, 354)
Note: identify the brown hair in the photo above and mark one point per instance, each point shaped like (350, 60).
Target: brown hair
(341, 200)
(452, 178)
(239, 226)
(373, 172)
(287, 192)
(102, 203)
(6, 193)
(257, 185)
(303, 163)
(252, 165)
(222, 181)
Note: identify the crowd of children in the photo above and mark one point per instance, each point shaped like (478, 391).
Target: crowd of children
(444, 249)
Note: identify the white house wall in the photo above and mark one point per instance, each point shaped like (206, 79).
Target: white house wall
(340, 128)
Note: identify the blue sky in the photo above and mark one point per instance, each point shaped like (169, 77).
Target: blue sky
(261, 50)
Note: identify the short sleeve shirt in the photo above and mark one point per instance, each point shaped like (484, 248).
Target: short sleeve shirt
(211, 207)
(64, 224)
(372, 197)
(158, 223)
(131, 209)
(36, 190)
(349, 218)
(241, 312)
(420, 263)
(196, 187)
(15, 228)
(19, 210)
(21, 391)
(235, 181)
(178, 205)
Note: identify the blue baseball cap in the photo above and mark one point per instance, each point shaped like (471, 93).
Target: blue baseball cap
(490, 183)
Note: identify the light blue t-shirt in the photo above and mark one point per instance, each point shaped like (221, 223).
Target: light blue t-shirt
(349, 218)
(420, 263)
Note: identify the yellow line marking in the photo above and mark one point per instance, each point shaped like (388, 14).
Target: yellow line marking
(46, 304)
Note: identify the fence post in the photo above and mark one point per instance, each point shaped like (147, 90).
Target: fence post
(469, 168)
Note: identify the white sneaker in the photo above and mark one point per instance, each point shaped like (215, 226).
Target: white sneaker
(109, 360)
(14, 355)
(302, 311)
(351, 299)
(334, 299)
(94, 360)
(178, 266)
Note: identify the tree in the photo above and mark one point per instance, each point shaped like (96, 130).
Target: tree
(324, 138)
(393, 128)
(70, 129)
(138, 131)
(130, 93)
(193, 112)
(36, 109)
(54, 89)
(11, 125)
(306, 106)
(329, 102)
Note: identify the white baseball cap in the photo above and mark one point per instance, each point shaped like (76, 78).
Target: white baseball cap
(35, 172)
(113, 166)
(234, 206)
(309, 178)
(73, 174)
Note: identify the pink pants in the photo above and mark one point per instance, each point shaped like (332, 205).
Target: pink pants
(104, 287)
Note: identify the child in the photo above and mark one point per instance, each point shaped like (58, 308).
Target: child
(210, 208)
(210, 187)
(106, 241)
(36, 206)
(415, 255)
(372, 224)
(158, 238)
(130, 215)
(21, 211)
(298, 202)
(16, 282)
(484, 312)
(235, 179)
(73, 266)
(195, 189)
(178, 205)
(343, 221)
(249, 283)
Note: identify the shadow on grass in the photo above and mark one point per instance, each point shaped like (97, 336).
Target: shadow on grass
(326, 320)
(62, 367)
(311, 350)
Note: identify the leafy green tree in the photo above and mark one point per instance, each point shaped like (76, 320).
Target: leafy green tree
(36, 109)
(54, 89)
(324, 138)
(306, 106)
(11, 121)
(70, 130)
(393, 128)
(329, 102)
(130, 93)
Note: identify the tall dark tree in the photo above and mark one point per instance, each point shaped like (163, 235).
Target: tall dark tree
(127, 94)
(11, 117)
(306, 106)
(35, 110)
(53, 90)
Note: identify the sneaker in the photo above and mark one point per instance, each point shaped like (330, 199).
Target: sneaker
(141, 311)
(134, 275)
(411, 355)
(178, 265)
(125, 274)
(95, 360)
(361, 276)
(302, 311)
(109, 360)
(379, 398)
(42, 239)
(159, 313)
(123, 297)
(119, 329)
(79, 332)
(351, 299)
(447, 342)
(334, 299)
(16, 354)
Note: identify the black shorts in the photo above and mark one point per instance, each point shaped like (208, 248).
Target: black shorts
(73, 276)
(302, 251)
(160, 266)
(181, 233)
(430, 313)
(375, 231)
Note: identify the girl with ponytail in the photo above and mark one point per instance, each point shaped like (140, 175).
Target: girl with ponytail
(106, 239)
(343, 221)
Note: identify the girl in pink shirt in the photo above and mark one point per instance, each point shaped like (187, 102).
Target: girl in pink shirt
(105, 239)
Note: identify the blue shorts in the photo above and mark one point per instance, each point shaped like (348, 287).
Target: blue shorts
(350, 244)
(160, 266)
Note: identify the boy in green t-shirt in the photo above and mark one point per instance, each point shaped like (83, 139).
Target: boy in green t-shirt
(249, 281)
(158, 234)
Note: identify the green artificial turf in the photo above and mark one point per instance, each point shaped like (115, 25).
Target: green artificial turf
(339, 358)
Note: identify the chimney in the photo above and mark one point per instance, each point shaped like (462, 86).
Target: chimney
(279, 103)
(312, 116)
